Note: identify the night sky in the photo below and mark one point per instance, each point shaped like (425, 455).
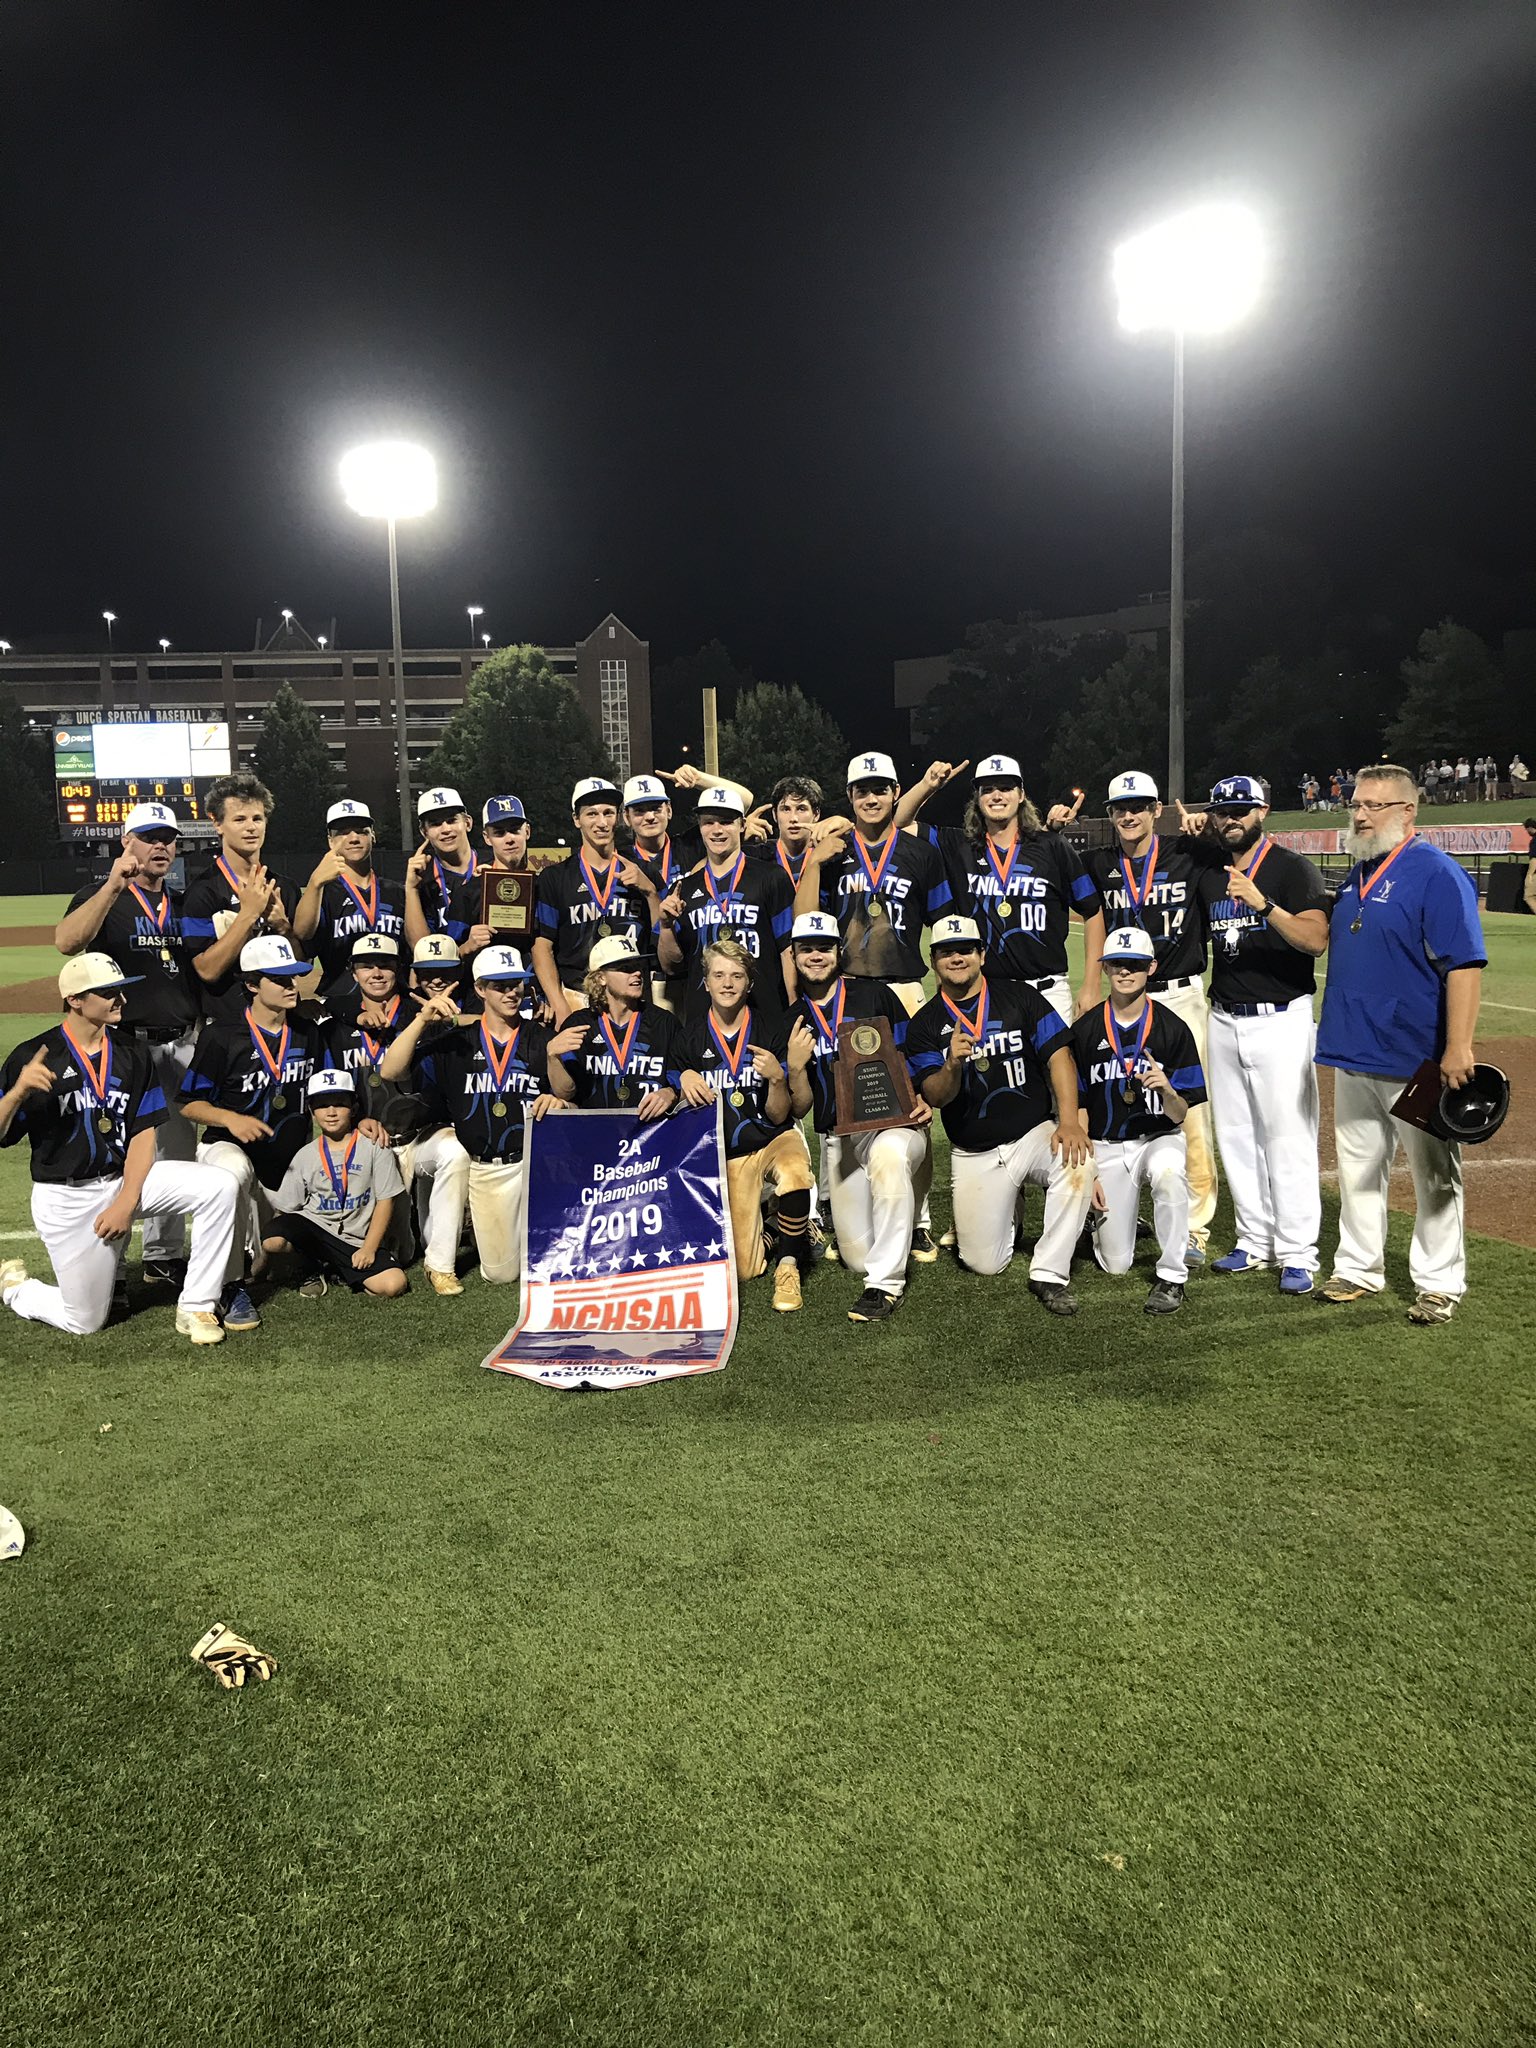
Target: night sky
(786, 325)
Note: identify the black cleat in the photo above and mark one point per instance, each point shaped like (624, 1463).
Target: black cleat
(164, 1272)
(1165, 1299)
(1061, 1301)
(924, 1250)
(872, 1307)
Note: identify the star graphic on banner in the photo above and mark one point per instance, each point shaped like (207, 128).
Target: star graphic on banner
(638, 1259)
(685, 1251)
(713, 1249)
(592, 1268)
(614, 1265)
(663, 1257)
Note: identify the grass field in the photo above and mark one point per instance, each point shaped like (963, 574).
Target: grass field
(977, 1678)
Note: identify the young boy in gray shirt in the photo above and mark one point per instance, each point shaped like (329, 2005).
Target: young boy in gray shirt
(336, 1199)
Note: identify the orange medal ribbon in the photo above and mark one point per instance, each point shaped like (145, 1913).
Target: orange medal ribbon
(1365, 887)
(157, 911)
(874, 872)
(975, 1027)
(374, 1047)
(500, 1066)
(723, 1044)
(259, 1039)
(600, 897)
(98, 1076)
(329, 1159)
(828, 1033)
(369, 904)
(794, 873)
(1112, 1033)
(620, 1053)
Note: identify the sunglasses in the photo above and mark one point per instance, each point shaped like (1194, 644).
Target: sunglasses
(1231, 810)
(1131, 810)
(161, 838)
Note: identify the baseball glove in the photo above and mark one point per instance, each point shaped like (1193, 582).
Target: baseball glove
(231, 1658)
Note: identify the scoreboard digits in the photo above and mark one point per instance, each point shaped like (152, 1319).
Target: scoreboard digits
(170, 763)
(89, 804)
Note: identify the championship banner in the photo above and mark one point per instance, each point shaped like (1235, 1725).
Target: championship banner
(1451, 838)
(629, 1274)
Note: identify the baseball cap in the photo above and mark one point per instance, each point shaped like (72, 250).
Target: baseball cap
(438, 800)
(721, 799)
(271, 954)
(954, 931)
(1467, 1115)
(13, 1538)
(816, 924)
(375, 946)
(872, 768)
(348, 812)
(622, 949)
(1132, 783)
(499, 963)
(1239, 789)
(151, 818)
(91, 971)
(331, 1084)
(593, 789)
(435, 950)
(503, 810)
(645, 789)
(999, 768)
(1129, 942)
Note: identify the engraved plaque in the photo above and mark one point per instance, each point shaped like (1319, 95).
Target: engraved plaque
(506, 901)
(873, 1089)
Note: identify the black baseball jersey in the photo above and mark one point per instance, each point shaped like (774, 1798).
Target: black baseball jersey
(348, 910)
(212, 902)
(1101, 1076)
(114, 1085)
(1005, 1087)
(777, 854)
(678, 854)
(848, 998)
(613, 1073)
(573, 912)
(1022, 896)
(481, 1085)
(144, 935)
(359, 1048)
(1250, 962)
(749, 902)
(1165, 894)
(229, 1071)
(882, 896)
(747, 1125)
(451, 898)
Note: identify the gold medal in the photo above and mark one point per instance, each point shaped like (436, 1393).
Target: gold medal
(604, 929)
(498, 1109)
(105, 1125)
(737, 1098)
(167, 959)
(1005, 908)
(622, 1092)
(980, 1062)
(1128, 1092)
(279, 1102)
(876, 907)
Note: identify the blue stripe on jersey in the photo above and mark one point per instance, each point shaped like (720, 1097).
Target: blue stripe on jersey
(1083, 886)
(197, 927)
(1048, 1028)
(547, 918)
(939, 900)
(196, 1087)
(926, 1062)
(1184, 1078)
(152, 1101)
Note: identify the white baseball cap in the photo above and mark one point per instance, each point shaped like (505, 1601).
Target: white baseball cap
(151, 818)
(954, 931)
(13, 1538)
(1129, 942)
(816, 924)
(621, 949)
(593, 789)
(435, 950)
(499, 963)
(88, 972)
(721, 799)
(438, 800)
(645, 789)
(331, 1084)
(375, 946)
(872, 768)
(271, 954)
(1132, 783)
(999, 768)
(348, 812)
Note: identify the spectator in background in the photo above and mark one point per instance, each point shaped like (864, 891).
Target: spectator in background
(1429, 776)
(1349, 785)
(1519, 775)
(1336, 789)
(1447, 781)
(1463, 779)
(1490, 778)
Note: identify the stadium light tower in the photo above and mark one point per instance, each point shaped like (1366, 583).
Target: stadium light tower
(165, 646)
(475, 611)
(111, 619)
(1199, 273)
(5, 646)
(393, 480)
(487, 639)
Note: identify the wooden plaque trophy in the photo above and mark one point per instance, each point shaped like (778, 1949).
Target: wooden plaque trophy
(506, 902)
(872, 1087)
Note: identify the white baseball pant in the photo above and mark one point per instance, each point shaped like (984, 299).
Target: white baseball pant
(877, 1178)
(1058, 994)
(912, 996)
(1124, 1168)
(1263, 1089)
(86, 1265)
(496, 1215)
(254, 1213)
(1189, 1003)
(165, 1236)
(1366, 1136)
(436, 1171)
(987, 1186)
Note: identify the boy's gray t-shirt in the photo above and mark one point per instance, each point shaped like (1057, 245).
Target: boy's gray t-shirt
(307, 1188)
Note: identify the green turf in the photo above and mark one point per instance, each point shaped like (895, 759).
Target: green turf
(23, 910)
(1513, 812)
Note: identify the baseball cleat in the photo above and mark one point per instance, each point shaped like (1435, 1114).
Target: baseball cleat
(1165, 1299)
(200, 1324)
(924, 1250)
(786, 1286)
(443, 1283)
(872, 1306)
(1339, 1290)
(239, 1311)
(163, 1272)
(829, 1250)
(1050, 1294)
(948, 1240)
(1194, 1253)
(313, 1288)
(1240, 1262)
(1433, 1308)
(12, 1273)
(1295, 1280)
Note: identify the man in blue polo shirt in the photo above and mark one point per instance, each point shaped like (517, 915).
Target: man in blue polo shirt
(1406, 956)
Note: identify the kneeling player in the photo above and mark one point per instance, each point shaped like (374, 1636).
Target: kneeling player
(875, 1178)
(992, 1058)
(335, 1202)
(741, 1053)
(1140, 1076)
(621, 1052)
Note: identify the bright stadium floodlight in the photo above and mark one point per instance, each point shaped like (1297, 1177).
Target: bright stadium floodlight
(393, 480)
(486, 638)
(475, 611)
(165, 646)
(1199, 273)
(111, 619)
(5, 646)
(321, 641)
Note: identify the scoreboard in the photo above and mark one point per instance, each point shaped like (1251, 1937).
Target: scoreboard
(102, 771)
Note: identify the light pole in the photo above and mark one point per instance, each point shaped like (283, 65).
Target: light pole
(486, 638)
(111, 619)
(165, 646)
(475, 611)
(393, 480)
(1198, 273)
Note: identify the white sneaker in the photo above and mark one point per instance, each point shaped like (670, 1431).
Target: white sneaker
(200, 1324)
(12, 1273)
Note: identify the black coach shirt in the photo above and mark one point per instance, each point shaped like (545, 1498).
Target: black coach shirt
(847, 999)
(616, 1064)
(1022, 896)
(211, 906)
(144, 935)
(1005, 1089)
(257, 1073)
(751, 903)
(481, 1085)
(347, 911)
(579, 903)
(726, 1064)
(882, 896)
(1101, 1053)
(1250, 962)
(1162, 890)
(114, 1085)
